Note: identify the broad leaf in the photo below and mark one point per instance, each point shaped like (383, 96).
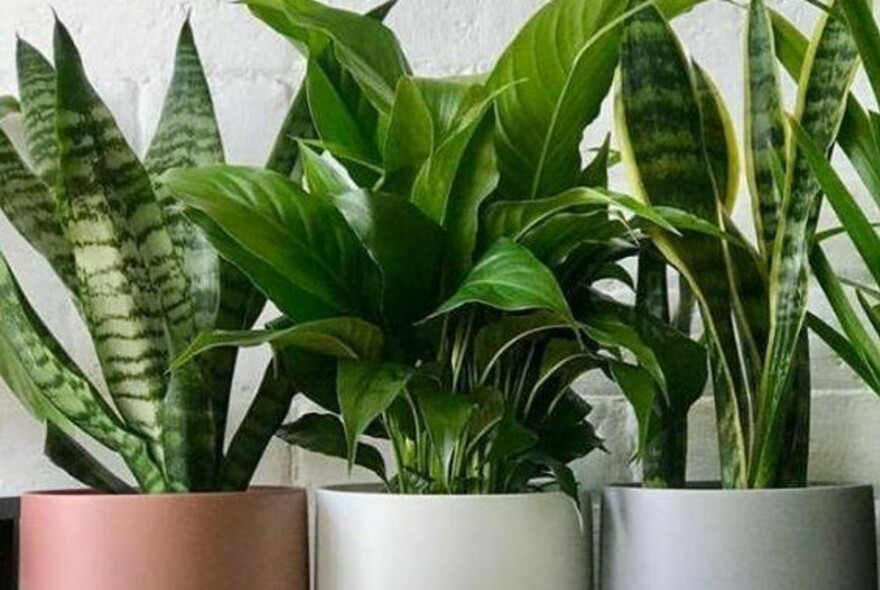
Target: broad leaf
(446, 417)
(324, 434)
(508, 277)
(284, 234)
(366, 391)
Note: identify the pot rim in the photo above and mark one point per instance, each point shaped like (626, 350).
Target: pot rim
(88, 494)
(374, 490)
(714, 488)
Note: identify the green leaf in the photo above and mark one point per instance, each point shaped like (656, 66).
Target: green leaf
(362, 44)
(410, 139)
(108, 209)
(595, 175)
(409, 260)
(514, 219)
(850, 214)
(658, 115)
(765, 125)
(67, 454)
(324, 434)
(263, 418)
(37, 86)
(828, 73)
(496, 338)
(446, 417)
(508, 277)
(323, 174)
(845, 349)
(30, 206)
(188, 137)
(719, 138)
(8, 106)
(614, 332)
(639, 388)
(43, 377)
(351, 338)
(338, 127)
(286, 241)
(866, 36)
(366, 391)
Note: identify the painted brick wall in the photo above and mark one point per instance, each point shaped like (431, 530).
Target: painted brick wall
(128, 46)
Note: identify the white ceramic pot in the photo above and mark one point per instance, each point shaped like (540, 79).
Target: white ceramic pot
(369, 540)
(818, 538)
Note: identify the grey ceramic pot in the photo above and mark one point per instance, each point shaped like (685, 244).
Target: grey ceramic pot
(818, 538)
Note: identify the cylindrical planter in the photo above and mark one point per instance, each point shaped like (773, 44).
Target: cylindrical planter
(368, 540)
(255, 540)
(818, 538)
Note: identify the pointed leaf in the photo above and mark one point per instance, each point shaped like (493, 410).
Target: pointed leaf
(37, 85)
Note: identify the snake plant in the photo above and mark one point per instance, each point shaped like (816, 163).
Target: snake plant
(856, 340)
(679, 148)
(144, 279)
(434, 249)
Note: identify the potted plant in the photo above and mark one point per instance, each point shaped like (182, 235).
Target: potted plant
(766, 528)
(434, 253)
(145, 281)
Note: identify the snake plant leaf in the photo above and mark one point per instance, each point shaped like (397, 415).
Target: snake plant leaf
(509, 277)
(409, 261)
(36, 368)
(123, 311)
(325, 434)
(667, 160)
(858, 227)
(446, 417)
(8, 106)
(870, 309)
(831, 64)
(764, 125)
(366, 391)
(36, 83)
(323, 174)
(188, 137)
(30, 206)
(362, 44)
(855, 136)
(301, 243)
(338, 127)
(189, 438)
(342, 337)
(66, 453)
(866, 36)
(263, 418)
(719, 138)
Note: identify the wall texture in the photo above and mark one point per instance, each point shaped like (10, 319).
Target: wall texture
(128, 46)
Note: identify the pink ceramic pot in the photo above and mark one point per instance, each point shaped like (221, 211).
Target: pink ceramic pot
(256, 540)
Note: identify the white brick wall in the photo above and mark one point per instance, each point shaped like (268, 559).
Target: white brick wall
(128, 45)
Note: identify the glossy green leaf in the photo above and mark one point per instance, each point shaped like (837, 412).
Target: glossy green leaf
(406, 246)
(323, 174)
(324, 434)
(339, 337)
(294, 243)
(496, 338)
(366, 391)
(510, 278)
(446, 417)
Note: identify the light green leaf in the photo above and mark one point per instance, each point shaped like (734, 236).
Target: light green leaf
(323, 174)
